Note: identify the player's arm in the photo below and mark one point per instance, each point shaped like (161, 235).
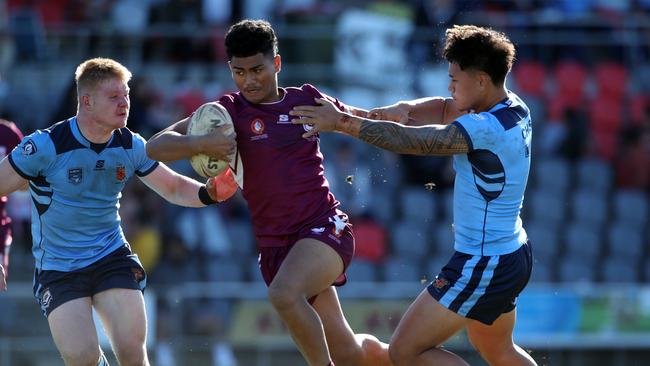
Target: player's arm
(185, 191)
(438, 140)
(11, 181)
(173, 143)
(419, 112)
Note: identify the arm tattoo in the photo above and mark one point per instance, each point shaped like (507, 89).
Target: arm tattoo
(426, 140)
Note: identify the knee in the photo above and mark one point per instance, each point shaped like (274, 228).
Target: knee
(346, 356)
(282, 296)
(131, 350)
(399, 355)
(87, 356)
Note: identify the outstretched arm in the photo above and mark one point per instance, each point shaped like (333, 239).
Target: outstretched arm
(425, 140)
(418, 112)
(173, 143)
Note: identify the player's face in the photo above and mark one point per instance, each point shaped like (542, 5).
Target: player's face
(256, 77)
(465, 87)
(110, 103)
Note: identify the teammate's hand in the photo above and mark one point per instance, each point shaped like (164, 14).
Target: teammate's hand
(222, 187)
(218, 145)
(321, 118)
(3, 279)
(397, 112)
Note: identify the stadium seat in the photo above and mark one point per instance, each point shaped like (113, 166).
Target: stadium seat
(444, 241)
(447, 203)
(240, 233)
(624, 241)
(362, 271)
(434, 265)
(545, 207)
(605, 121)
(225, 269)
(632, 207)
(409, 240)
(572, 269)
(530, 76)
(545, 240)
(589, 207)
(594, 175)
(617, 270)
(542, 272)
(418, 204)
(570, 78)
(553, 176)
(582, 242)
(611, 79)
(400, 269)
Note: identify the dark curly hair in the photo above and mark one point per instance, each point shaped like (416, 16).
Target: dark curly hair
(482, 49)
(249, 37)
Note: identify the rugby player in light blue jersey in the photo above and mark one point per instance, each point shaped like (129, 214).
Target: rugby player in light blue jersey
(487, 129)
(76, 170)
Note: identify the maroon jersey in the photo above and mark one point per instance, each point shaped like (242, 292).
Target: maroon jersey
(10, 136)
(279, 171)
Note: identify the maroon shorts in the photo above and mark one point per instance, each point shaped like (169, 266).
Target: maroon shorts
(337, 233)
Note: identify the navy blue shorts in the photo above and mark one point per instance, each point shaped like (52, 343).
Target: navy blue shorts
(120, 269)
(483, 287)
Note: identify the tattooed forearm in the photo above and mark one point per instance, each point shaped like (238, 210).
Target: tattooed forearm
(427, 140)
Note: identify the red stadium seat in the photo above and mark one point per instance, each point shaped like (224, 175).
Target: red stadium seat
(570, 78)
(530, 77)
(639, 108)
(611, 79)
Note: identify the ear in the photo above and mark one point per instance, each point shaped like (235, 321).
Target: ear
(277, 62)
(84, 100)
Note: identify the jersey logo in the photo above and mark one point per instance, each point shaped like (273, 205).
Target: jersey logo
(29, 148)
(257, 126)
(283, 119)
(75, 175)
(339, 225)
(99, 165)
(440, 282)
(46, 299)
(120, 173)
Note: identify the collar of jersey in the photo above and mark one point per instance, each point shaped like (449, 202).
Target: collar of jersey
(76, 132)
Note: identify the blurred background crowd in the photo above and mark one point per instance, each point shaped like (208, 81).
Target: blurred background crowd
(583, 67)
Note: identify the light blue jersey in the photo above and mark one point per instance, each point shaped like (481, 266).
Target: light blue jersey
(491, 179)
(75, 187)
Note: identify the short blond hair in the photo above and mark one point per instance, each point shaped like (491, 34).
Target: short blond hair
(92, 72)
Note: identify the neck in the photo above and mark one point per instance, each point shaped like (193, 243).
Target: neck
(494, 97)
(92, 130)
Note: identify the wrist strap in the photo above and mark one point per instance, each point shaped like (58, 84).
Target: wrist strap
(204, 196)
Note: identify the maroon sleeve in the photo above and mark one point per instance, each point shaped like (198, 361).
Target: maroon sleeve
(317, 94)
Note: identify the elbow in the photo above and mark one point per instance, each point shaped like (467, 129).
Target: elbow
(152, 151)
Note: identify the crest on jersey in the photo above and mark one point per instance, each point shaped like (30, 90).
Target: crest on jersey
(29, 148)
(75, 175)
(257, 126)
(120, 173)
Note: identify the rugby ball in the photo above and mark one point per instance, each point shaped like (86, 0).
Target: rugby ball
(203, 121)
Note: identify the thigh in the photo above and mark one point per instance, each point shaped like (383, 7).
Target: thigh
(123, 315)
(496, 337)
(73, 329)
(310, 267)
(425, 325)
